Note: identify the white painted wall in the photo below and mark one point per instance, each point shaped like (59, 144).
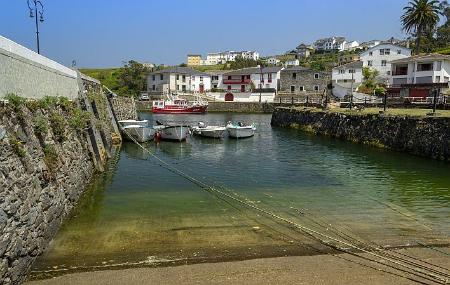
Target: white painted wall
(336, 76)
(197, 80)
(373, 55)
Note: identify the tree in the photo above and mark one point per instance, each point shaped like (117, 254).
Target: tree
(420, 16)
(443, 32)
(132, 78)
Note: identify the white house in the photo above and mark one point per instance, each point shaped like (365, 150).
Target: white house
(380, 56)
(217, 78)
(351, 45)
(178, 79)
(250, 84)
(347, 73)
(273, 61)
(416, 76)
(294, 62)
(329, 44)
(345, 77)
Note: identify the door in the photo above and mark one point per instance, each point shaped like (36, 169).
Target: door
(202, 88)
(229, 96)
(419, 93)
(242, 88)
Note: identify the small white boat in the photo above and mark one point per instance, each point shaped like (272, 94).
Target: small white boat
(171, 132)
(240, 131)
(209, 131)
(125, 123)
(139, 133)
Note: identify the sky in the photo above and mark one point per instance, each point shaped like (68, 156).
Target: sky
(105, 33)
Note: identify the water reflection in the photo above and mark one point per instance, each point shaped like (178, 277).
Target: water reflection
(138, 209)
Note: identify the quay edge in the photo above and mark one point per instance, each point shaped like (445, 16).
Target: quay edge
(421, 136)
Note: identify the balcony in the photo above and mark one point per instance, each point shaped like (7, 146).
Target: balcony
(237, 81)
(399, 72)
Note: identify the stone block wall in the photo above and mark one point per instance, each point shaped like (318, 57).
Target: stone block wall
(46, 160)
(28, 74)
(303, 78)
(428, 137)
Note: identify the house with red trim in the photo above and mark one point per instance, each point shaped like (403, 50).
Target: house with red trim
(252, 84)
(418, 76)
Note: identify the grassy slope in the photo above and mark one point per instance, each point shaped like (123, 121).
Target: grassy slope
(107, 76)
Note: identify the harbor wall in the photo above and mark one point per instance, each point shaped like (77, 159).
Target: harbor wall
(56, 129)
(28, 74)
(48, 154)
(428, 137)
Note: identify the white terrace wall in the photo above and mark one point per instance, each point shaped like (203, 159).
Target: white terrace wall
(28, 74)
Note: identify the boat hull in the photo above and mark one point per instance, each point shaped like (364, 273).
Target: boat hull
(125, 123)
(187, 110)
(139, 133)
(174, 133)
(241, 132)
(210, 132)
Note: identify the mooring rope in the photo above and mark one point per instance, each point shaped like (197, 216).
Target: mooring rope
(311, 232)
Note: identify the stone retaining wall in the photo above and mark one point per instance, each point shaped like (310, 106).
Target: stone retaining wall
(28, 74)
(429, 137)
(46, 160)
(240, 107)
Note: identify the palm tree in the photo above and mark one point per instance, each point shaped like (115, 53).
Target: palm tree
(419, 17)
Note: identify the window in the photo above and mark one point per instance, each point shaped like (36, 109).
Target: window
(438, 66)
(183, 78)
(193, 77)
(161, 77)
(399, 51)
(387, 51)
(370, 53)
(178, 87)
(316, 76)
(383, 62)
(215, 86)
(229, 77)
(248, 76)
(262, 78)
(292, 88)
(294, 75)
(341, 71)
(316, 88)
(381, 51)
(201, 78)
(178, 77)
(438, 79)
(302, 88)
(153, 77)
(388, 73)
(229, 87)
(369, 63)
(153, 87)
(242, 88)
(351, 71)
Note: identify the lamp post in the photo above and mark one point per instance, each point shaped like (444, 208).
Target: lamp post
(38, 8)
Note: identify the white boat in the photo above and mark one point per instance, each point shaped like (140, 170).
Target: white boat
(240, 131)
(125, 123)
(139, 133)
(173, 132)
(209, 131)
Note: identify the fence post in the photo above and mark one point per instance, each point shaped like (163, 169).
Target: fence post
(434, 101)
(307, 101)
(292, 100)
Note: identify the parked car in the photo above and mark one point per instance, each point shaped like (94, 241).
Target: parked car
(144, 97)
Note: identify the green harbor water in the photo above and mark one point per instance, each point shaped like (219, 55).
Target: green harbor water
(140, 214)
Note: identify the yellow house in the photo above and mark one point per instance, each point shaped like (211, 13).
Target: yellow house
(193, 59)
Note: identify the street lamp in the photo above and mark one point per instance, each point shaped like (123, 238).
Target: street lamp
(38, 8)
(261, 79)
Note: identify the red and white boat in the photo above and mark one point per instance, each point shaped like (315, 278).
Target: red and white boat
(176, 105)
